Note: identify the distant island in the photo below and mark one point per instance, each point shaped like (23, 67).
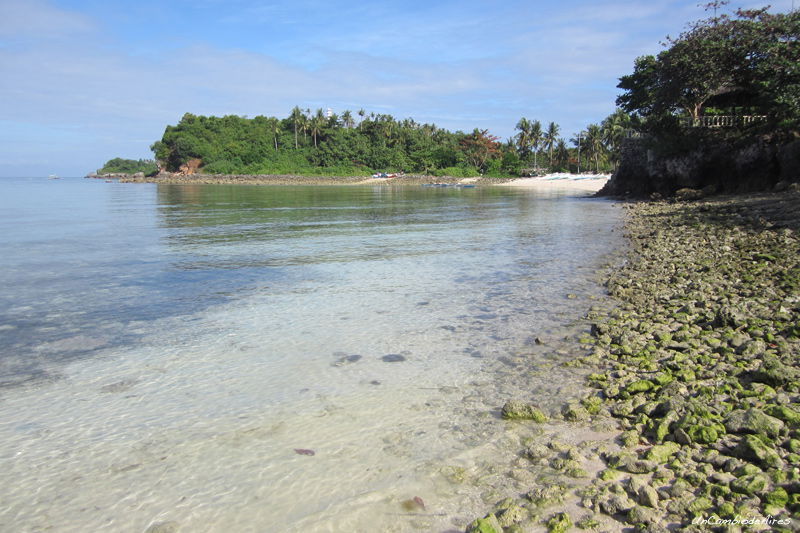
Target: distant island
(328, 144)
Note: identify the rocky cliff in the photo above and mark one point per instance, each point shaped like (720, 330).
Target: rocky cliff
(756, 165)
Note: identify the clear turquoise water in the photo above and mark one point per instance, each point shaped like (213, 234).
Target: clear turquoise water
(223, 326)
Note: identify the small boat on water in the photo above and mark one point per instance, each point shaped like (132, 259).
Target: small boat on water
(53, 177)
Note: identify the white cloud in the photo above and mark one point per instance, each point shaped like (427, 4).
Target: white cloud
(37, 19)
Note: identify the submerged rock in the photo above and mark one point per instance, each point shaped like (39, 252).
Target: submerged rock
(487, 524)
(559, 523)
(516, 410)
(393, 358)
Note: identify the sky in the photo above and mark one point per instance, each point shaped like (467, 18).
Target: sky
(83, 81)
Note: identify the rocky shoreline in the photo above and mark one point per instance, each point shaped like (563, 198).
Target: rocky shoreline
(696, 361)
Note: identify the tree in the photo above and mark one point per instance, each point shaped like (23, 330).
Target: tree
(297, 118)
(581, 135)
(550, 139)
(347, 119)
(754, 53)
(613, 129)
(315, 125)
(535, 139)
(361, 114)
(479, 147)
(523, 137)
(562, 153)
(594, 144)
(275, 129)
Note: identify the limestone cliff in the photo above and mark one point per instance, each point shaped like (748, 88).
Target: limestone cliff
(756, 165)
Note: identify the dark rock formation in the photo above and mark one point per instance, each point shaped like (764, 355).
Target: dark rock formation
(757, 165)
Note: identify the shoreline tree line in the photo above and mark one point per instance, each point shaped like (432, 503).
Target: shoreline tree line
(321, 143)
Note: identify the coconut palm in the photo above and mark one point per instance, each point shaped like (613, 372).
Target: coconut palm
(275, 129)
(361, 114)
(594, 144)
(614, 128)
(297, 118)
(306, 124)
(523, 137)
(562, 153)
(347, 119)
(315, 125)
(580, 136)
(550, 139)
(535, 139)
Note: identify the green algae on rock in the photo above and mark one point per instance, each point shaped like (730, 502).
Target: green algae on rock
(516, 410)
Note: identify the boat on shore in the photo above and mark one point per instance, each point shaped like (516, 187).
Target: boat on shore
(386, 175)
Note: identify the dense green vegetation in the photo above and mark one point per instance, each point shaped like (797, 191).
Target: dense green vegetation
(742, 65)
(128, 166)
(331, 144)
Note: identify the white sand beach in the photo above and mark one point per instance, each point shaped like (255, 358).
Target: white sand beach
(573, 182)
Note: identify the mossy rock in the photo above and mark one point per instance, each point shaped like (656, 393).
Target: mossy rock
(726, 509)
(592, 404)
(588, 523)
(787, 414)
(753, 421)
(641, 385)
(550, 494)
(660, 453)
(752, 448)
(609, 474)
(511, 515)
(559, 523)
(702, 434)
(750, 485)
(574, 412)
(778, 497)
(699, 505)
(630, 438)
(516, 410)
(488, 524)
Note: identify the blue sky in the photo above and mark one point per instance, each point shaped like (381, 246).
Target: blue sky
(87, 80)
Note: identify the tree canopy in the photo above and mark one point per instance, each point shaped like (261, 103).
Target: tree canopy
(753, 54)
(119, 165)
(331, 144)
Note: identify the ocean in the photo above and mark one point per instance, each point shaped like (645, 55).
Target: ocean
(278, 358)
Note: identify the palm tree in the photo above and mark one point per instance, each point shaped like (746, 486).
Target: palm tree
(524, 136)
(535, 139)
(361, 114)
(577, 142)
(594, 144)
(614, 128)
(550, 139)
(275, 129)
(306, 124)
(562, 153)
(297, 118)
(316, 124)
(347, 119)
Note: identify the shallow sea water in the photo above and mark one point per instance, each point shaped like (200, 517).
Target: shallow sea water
(165, 350)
